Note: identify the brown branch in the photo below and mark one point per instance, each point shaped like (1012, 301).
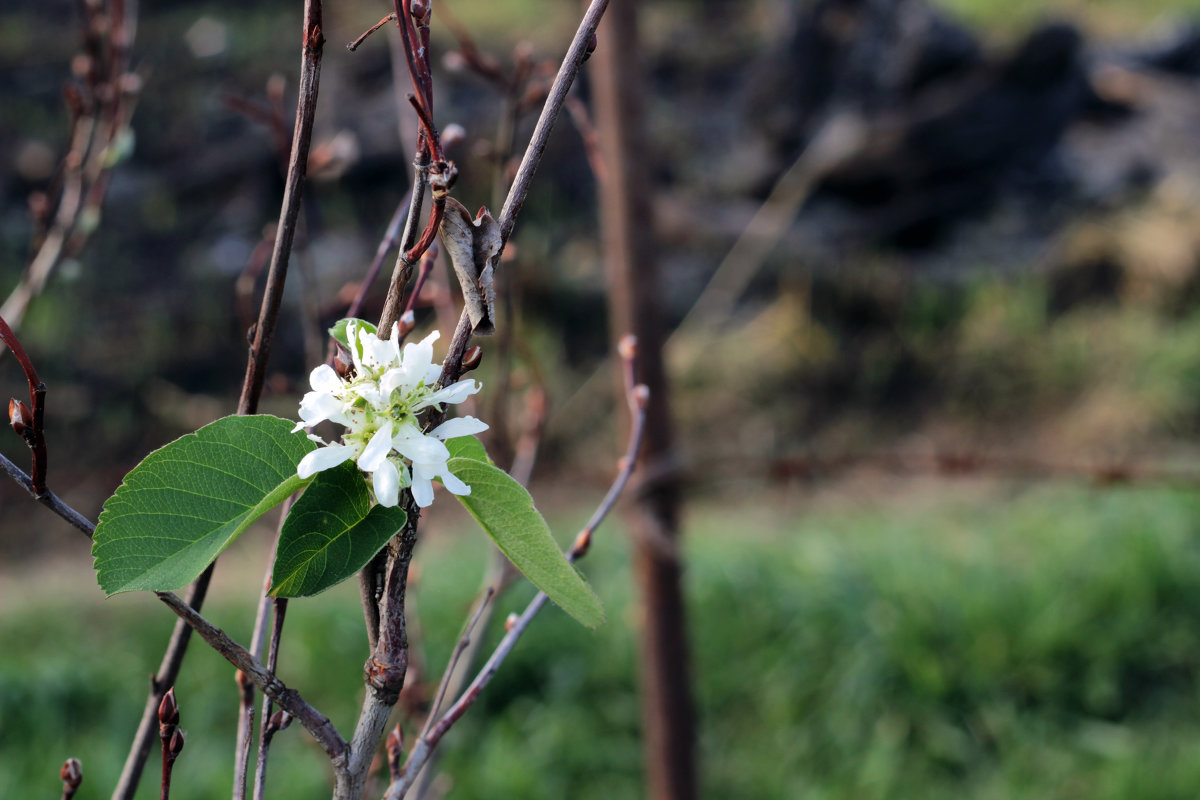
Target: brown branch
(310, 76)
(290, 700)
(363, 37)
(26, 421)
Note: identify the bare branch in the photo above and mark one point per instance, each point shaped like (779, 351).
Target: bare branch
(638, 397)
(289, 699)
(576, 53)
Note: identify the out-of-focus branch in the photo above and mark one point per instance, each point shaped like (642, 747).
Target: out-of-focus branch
(638, 397)
(264, 330)
(100, 102)
(580, 47)
(289, 699)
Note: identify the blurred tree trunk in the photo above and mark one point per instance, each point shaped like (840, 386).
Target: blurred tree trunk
(626, 208)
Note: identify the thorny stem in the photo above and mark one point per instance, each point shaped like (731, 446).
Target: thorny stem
(289, 699)
(432, 735)
(452, 367)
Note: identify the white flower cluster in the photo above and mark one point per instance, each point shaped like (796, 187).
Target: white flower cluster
(378, 404)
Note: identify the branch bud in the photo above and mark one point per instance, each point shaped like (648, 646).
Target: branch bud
(583, 542)
(510, 622)
(472, 358)
(406, 323)
(71, 773)
(175, 747)
(641, 396)
(19, 416)
(627, 347)
(453, 135)
(280, 720)
(168, 714)
(591, 47)
(395, 748)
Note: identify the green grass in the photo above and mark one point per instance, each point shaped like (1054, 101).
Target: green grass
(1029, 642)
(1103, 16)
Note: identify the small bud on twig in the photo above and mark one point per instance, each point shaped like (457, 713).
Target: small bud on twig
(19, 416)
(280, 720)
(406, 323)
(168, 713)
(641, 395)
(591, 47)
(453, 135)
(627, 347)
(72, 775)
(175, 747)
(395, 748)
(583, 543)
(472, 358)
(510, 622)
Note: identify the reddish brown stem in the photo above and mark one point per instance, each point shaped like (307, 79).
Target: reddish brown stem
(358, 42)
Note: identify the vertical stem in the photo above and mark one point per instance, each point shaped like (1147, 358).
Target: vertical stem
(285, 232)
(627, 218)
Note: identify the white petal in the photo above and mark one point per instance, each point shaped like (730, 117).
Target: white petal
(453, 484)
(422, 491)
(377, 353)
(454, 393)
(392, 380)
(460, 426)
(377, 449)
(386, 482)
(324, 379)
(419, 448)
(324, 458)
(418, 357)
(319, 406)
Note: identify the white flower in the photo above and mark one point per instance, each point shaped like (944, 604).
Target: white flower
(378, 406)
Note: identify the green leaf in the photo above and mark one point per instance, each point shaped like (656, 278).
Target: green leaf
(331, 533)
(506, 512)
(184, 504)
(468, 447)
(339, 334)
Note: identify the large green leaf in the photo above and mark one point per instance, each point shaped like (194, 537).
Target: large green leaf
(331, 533)
(506, 512)
(184, 504)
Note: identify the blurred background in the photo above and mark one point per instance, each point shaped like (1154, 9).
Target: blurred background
(931, 271)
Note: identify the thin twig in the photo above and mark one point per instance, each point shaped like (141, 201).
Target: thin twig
(72, 776)
(49, 499)
(638, 397)
(289, 699)
(310, 77)
(266, 731)
(576, 53)
(362, 38)
(464, 641)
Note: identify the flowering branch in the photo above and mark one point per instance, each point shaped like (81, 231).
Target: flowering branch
(638, 398)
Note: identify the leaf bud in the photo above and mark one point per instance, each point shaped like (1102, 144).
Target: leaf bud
(510, 622)
(395, 741)
(472, 358)
(71, 773)
(627, 347)
(453, 135)
(19, 416)
(168, 712)
(641, 395)
(591, 47)
(408, 321)
(583, 542)
(175, 747)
